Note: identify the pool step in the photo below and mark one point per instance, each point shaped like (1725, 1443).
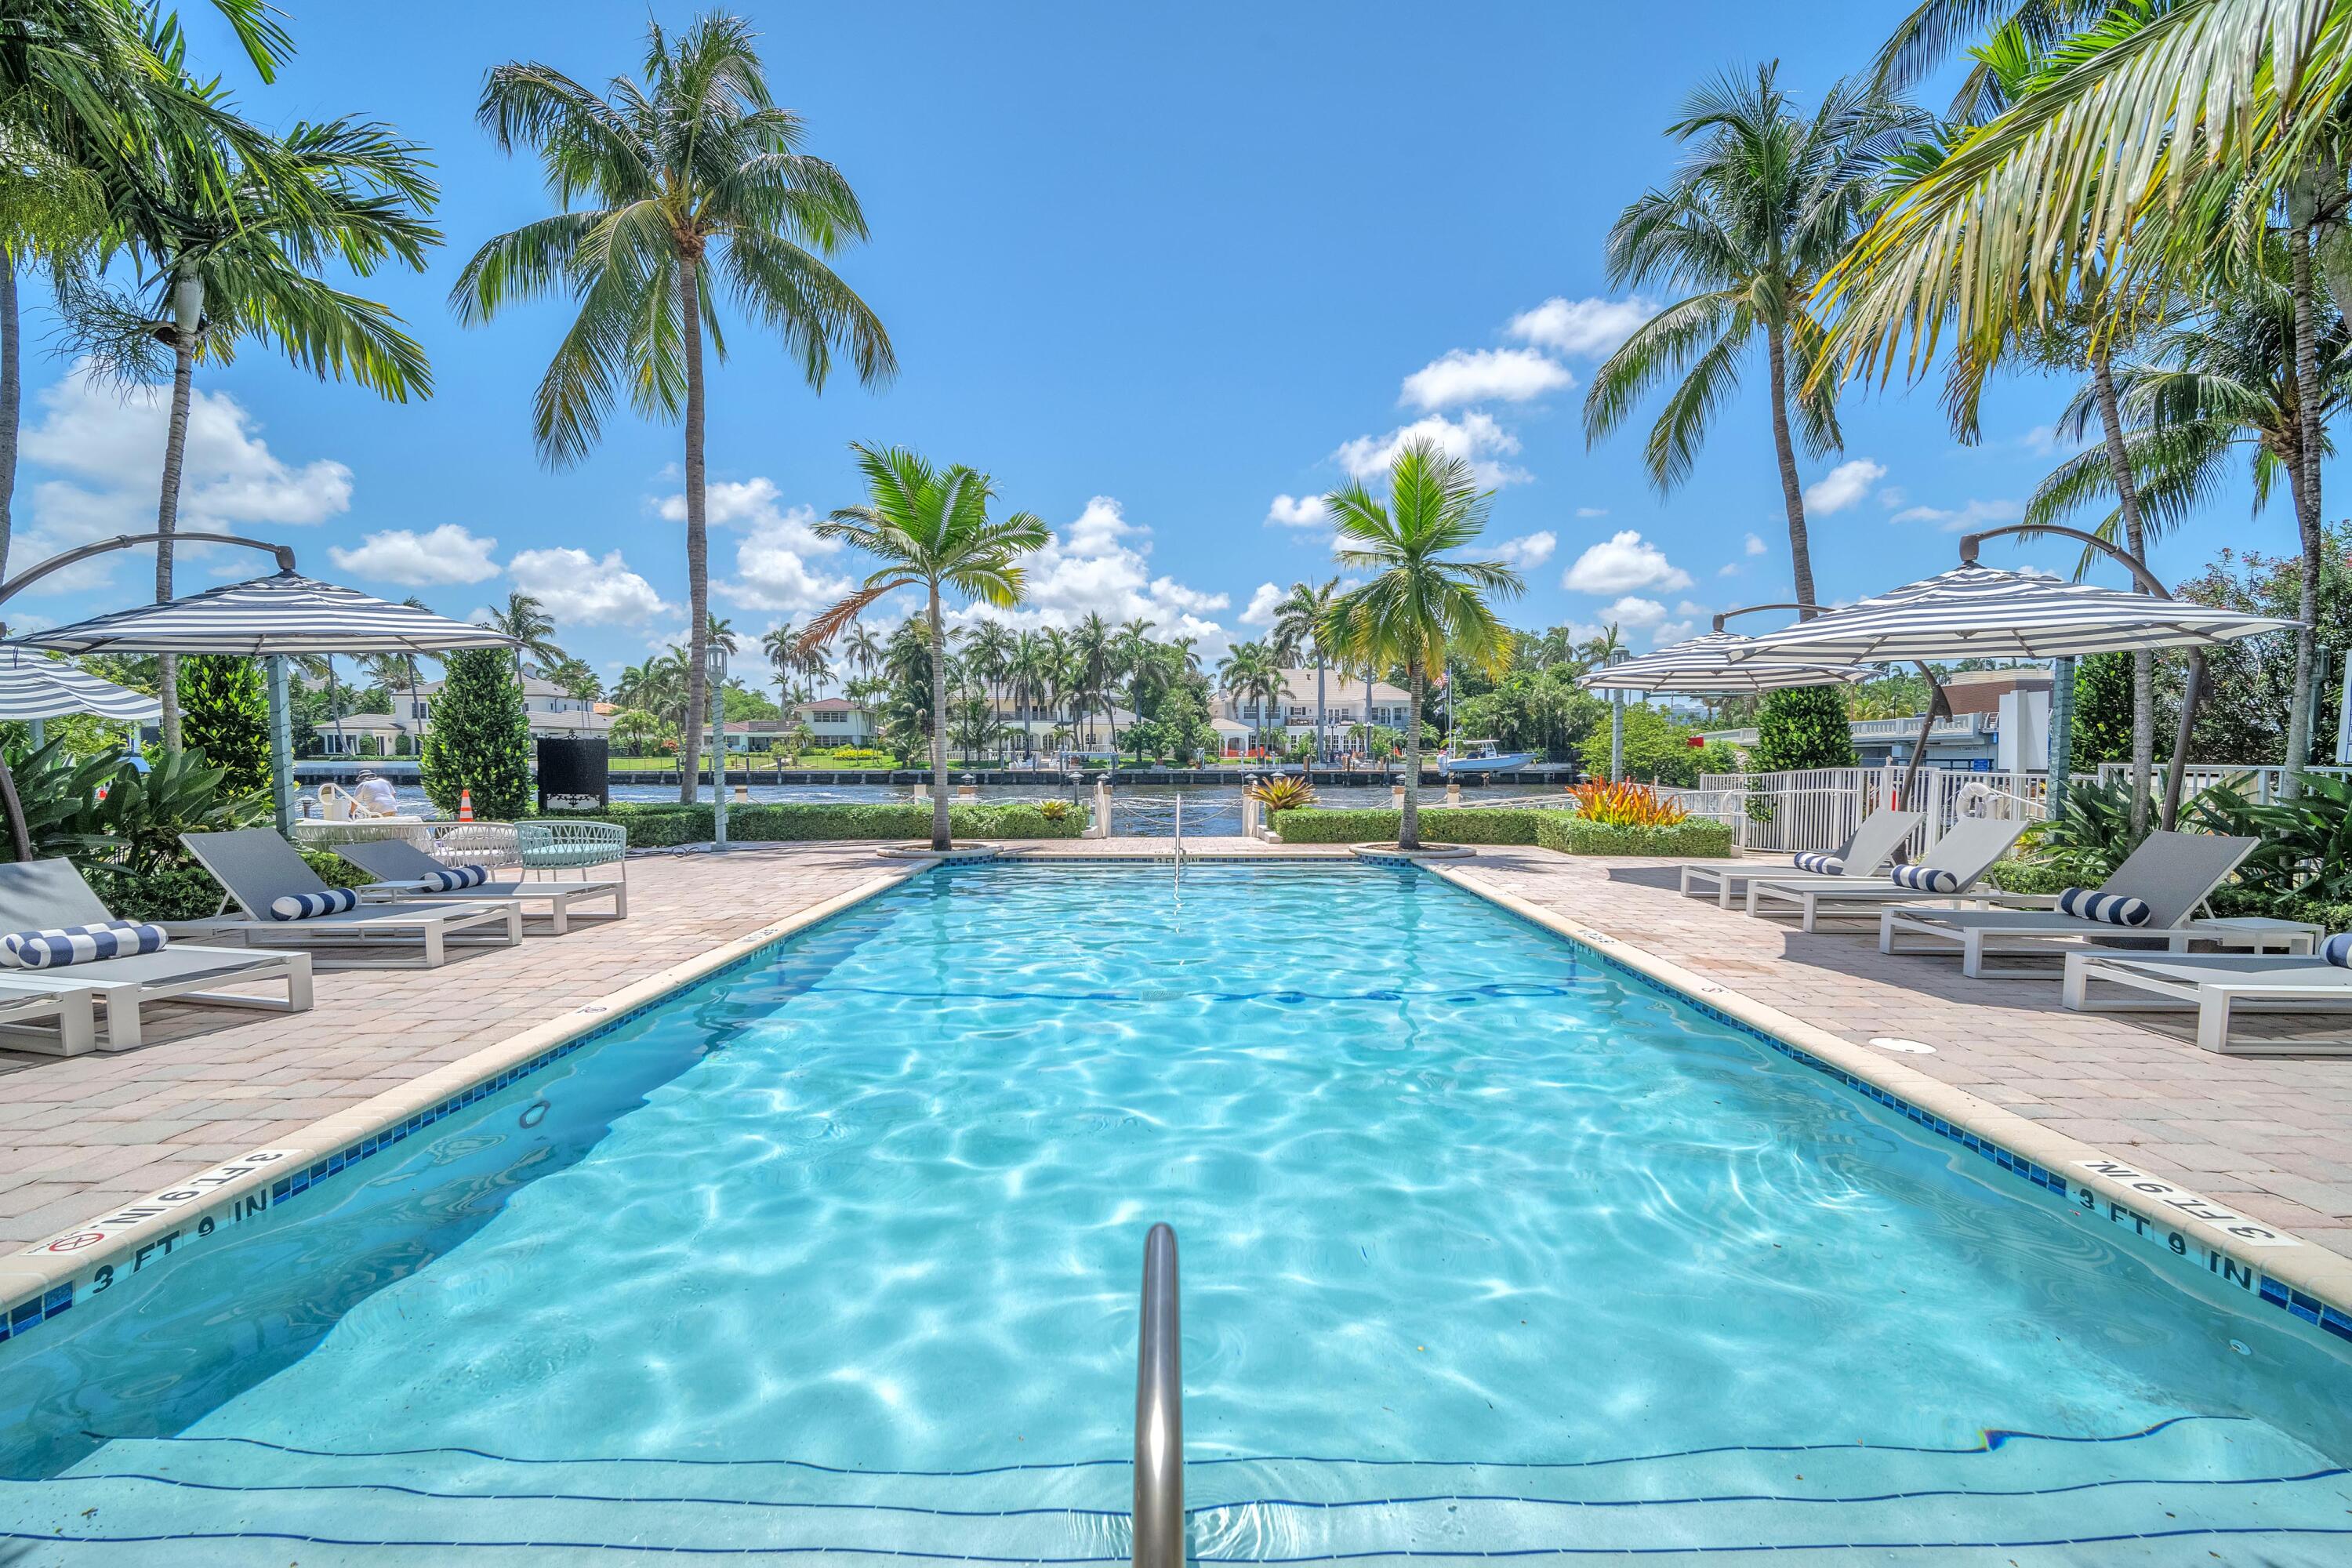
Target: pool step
(2235, 1488)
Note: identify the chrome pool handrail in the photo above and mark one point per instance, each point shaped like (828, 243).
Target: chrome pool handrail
(1159, 1412)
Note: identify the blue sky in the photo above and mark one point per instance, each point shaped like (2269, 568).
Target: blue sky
(1164, 271)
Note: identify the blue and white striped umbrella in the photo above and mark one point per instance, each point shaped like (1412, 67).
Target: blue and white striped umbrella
(1984, 612)
(32, 687)
(284, 613)
(1704, 667)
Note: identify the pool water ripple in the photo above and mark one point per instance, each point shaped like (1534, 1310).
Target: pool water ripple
(838, 1254)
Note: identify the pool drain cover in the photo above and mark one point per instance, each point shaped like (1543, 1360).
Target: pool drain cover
(1908, 1047)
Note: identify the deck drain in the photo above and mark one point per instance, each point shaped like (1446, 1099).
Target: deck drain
(1908, 1047)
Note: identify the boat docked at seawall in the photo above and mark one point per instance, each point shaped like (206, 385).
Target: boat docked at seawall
(1481, 757)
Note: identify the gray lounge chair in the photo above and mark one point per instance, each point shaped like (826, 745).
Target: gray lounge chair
(400, 866)
(1967, 850)
(2172, 873)
(259, 867)
(2216, 985)
(1873, 844)
(44, 894)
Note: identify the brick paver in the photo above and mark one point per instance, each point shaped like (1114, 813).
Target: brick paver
(2272, 1136)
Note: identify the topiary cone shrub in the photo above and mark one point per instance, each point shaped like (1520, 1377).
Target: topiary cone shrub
(480, 737)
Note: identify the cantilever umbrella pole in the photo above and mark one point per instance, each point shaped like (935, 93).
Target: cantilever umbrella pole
(20, 838)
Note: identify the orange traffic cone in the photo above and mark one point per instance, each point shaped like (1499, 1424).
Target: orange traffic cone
(464, 806)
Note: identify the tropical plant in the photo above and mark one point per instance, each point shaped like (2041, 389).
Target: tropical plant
(1626, 805)
(1252, 676)
(231, 237)
(2089, 838)
(1283, 792)
(1765, 205)
(930, 528)
(1294, 638)
(480, 738)
(1423, 608)
(695, 185)
(2102, 724)
(226, 709)
(525, 620)
(2306, 848)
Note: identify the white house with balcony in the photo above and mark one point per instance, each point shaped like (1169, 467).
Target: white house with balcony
(1345, 704)
(838, 721)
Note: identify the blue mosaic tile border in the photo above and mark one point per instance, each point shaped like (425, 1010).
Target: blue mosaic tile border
(2309, 1309)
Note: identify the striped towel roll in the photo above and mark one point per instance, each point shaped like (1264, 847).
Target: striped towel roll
(1927, 878)
(455, 878)
(1825, 864)
(307, 906)
(2337, 950)
(60, 945)
(2111, 909)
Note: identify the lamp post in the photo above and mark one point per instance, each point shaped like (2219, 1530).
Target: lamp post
(714, 665)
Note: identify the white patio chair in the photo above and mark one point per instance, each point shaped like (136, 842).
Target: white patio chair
(403, 868)
(259, 867)
(1951, 867)
(2217, 986)
(1873, 844)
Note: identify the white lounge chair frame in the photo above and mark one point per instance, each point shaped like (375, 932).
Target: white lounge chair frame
(1873, 844)
(1968, 850)
(2173, 873)
(399, 866)
(50, 893)
(254, 875)
(2215, 986)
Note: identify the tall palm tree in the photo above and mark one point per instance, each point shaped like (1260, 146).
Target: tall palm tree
(230, 238)
(1765, 205)
(321, 666)
(987, 654)
(1093, 671)
(930, 529)
(1422, 605)
(525, 620)
(1248, 674)
(694, 183)
(1296, 621)
(865, 650)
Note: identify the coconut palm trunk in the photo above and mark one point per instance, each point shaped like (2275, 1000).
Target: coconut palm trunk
(1792, 494)
(1409, 823)
(698, 540)
(2305, 468)
(187, 317)
(940, 838)
(2143, 747)
(11, 396)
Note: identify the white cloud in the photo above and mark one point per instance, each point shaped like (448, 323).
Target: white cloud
(1528, 548)
(1591, 327)
(1295, 511)
(1667, 633)
(1959, 520)
(576, 586)
(1631, 611)
(1262, 605)
(1843, 486)
(1592, 511)
(1475, 437)
(1624, 560)
(444, 555)
(105, 454)
(1475, 376)
(772, 555)
(1100, 565)
(1754, 544)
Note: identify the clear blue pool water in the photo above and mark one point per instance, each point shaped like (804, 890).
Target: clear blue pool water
(1486, 1249)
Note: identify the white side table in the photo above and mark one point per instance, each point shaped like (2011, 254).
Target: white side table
(2259, 933)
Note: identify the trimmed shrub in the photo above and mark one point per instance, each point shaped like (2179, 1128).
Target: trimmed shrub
(481, 737)
(224, 714)
(185, 892)
(1803, 727)
(1692, 840)
(2103, 709)
(657, 827)
(1439, 824)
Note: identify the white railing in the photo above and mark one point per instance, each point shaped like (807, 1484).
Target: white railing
(1818, 808)
(2261, 782)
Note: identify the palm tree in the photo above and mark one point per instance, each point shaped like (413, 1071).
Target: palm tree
(695, 183)
(1135, 657)
(1093, 671)
(930, 528)
(720, 633)
(989, 655)
(781, 645)
(1765, 204)
(231, 237)
(321, 666)
(1249, 673)
(1423, 607)
(525, 620)
(865, 650)
(1294, 623)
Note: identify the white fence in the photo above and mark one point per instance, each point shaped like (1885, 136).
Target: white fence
(2260, 782)
(1818, 808)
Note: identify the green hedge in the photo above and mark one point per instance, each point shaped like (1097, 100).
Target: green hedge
(1439, 824)
(1573, 834)
(653, 827)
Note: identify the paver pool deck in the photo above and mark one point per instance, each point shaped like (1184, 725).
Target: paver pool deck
(2270, 1136)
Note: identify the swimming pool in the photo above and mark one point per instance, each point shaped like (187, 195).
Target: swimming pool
(1489, 1247)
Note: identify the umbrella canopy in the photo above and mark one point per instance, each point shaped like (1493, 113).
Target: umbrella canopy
(1706, 667)
(1983, 612)
(36, 688)
(284, 614)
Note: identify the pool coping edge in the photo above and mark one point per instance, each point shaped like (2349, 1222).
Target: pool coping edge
(30, 1274)
(2306, 1267)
